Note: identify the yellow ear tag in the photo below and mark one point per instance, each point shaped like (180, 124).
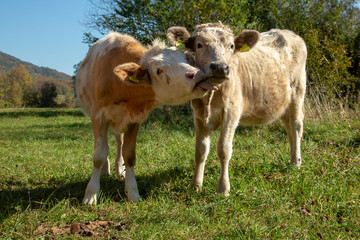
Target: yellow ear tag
(244, 48)
(134, 79)
(180, 45)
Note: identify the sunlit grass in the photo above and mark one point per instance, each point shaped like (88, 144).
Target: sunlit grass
(46, 163)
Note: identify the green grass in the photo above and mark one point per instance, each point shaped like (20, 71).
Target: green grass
(46, 162)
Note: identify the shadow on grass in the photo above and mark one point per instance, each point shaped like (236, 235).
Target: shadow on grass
(354, 142)
(42, 197)
(44, 132)
(177, 118)
(41, 112)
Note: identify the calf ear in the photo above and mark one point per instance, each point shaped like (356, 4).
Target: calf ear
(246, 40)
(132, 73)
(175, 34)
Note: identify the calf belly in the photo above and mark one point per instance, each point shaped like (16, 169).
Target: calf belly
(262, 115)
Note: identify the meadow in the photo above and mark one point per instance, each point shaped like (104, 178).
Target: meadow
(46, 162)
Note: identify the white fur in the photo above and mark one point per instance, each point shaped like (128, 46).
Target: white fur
(119, 160)
(93, 188)
(131, 189)
(265, 84)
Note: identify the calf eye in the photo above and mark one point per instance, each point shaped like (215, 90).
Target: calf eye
(199, 45)
(159, 71)
(232, 46)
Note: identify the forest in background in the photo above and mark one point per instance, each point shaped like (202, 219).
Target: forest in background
(330, 28)
(23, 84)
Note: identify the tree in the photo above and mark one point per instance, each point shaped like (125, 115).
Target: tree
(15, 85)
(146, 19)
(22, 76)
(330, 28)
(15, 94)
(76, 68)
(32, 97)
(2, 88)
(48, 95)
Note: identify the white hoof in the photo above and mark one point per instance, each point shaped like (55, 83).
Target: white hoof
(92, 190)
(131, 189)
(90, 198)
(224, 188)
(296, 163)
(197, 187)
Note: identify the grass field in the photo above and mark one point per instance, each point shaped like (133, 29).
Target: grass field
(46, 162)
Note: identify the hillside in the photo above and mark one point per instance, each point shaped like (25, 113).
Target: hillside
(7, 62)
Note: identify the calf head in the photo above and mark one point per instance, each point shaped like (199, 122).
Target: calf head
(167, 72)
(214, 45)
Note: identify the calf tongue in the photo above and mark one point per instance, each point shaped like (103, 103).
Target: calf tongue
(206, 85)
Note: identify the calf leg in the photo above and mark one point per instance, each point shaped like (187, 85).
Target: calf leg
(286, 121)
(119, 160)
(224, 151)
(293, 122)
(101, 150)
(105, 169)
(202, 149)
(129, 145)
(296, 128)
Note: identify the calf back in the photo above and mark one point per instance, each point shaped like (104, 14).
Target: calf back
(97, 85)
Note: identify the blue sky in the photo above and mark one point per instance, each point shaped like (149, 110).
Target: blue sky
(44, 32)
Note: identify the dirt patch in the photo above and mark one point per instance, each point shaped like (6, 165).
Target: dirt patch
(88, 229)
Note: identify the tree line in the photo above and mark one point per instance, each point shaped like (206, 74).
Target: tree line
(18, 88)
(330, 28)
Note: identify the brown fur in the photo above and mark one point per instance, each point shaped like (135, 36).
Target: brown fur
(107, 88)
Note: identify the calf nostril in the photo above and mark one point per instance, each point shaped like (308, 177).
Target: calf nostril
(213, 66)
(190, 75)
(219, 69)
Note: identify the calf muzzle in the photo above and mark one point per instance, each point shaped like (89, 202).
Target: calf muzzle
(217, 73)
(219, 69)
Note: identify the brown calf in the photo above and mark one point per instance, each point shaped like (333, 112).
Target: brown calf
(119, 83)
